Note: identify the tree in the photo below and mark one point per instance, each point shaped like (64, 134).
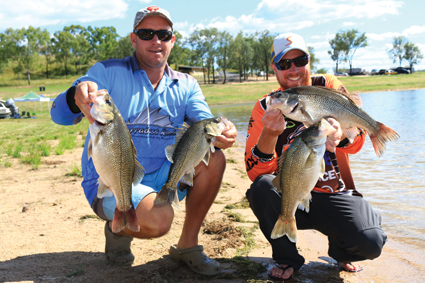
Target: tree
(397, 52)
(224, 40)
(63, 42)
(241, 54)
(33, 39)
(46, 49)
(262, 49)
(79, 45)
(124, 47)
(179, 54)
(200, 48)
(103, 42)
(412, 54)
(313, 59)
(352, 41)
(337, 53)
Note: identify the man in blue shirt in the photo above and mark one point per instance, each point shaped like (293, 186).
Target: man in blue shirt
(153, 100)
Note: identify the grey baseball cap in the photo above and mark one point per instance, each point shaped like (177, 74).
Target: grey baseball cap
(151, 11)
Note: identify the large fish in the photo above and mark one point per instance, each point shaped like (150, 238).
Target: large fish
(309, 104)
(299, 169)
(193, 145)
(114, 157)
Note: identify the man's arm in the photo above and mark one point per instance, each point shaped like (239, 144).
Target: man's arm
(263, 131)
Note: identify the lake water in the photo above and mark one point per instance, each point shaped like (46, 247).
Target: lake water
(395, 183)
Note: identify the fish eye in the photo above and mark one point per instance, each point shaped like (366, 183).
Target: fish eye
(108, 101)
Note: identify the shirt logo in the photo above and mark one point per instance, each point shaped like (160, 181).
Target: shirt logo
(153, 8)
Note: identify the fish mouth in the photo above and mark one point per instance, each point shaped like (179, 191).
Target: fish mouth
(294, 108)
(99, 123)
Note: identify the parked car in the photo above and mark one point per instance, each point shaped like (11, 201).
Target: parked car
(4, 111)
(374, 72)
(341, 74)
(401, 70)
(382, 71)
(261, 74)
(390, 72)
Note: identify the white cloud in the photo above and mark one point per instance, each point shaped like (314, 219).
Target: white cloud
(414, 30)
(348, 24)
(382, 36)
(24, 13)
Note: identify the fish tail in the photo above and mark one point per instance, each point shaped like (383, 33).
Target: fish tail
(167, 194)
(383, 135)
(124, 219)
(285, 227)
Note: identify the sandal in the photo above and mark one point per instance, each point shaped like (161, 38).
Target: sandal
(196, 260)
(283, 269)
(117, 248)
(355, 270)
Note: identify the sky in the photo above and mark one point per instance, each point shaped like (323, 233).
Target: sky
(317, 21)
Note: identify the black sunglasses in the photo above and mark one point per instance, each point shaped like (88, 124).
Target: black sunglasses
(148, 34)
(285, 64)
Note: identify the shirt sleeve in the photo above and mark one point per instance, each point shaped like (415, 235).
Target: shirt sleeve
(196, 107)
(61, 112)
(255, 164)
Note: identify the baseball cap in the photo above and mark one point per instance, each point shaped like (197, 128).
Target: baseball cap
(151, 11)
(287, 42)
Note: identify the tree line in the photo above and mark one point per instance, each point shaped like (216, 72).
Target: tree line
(80, 47)
(345, 44)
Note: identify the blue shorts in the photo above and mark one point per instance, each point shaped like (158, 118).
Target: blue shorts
(151, 183)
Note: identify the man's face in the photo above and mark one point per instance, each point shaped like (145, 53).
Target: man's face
(152, 53)
(294, 76)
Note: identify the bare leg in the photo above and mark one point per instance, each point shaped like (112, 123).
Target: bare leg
(206, 184)
(155, 221)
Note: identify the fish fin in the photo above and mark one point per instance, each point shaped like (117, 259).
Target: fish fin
(285, 227)
(354, 98)
(169, 151)
(383, 135)
(281, 161)
(124, 219)
(212, 147)
(276, 183)
(167, 194)
(305, 204)
(322, 168)
(181, 131)
(350, 133)
(103, 191)
(308, 116)
(206, 158)
(138, 173)
(188, 178)
(89, 149)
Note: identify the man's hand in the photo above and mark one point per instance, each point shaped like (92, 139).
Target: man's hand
(83, 98)
(334, 139)
(227, 138)
(273, 125)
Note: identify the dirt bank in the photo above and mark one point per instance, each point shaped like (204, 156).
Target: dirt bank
(48, 233)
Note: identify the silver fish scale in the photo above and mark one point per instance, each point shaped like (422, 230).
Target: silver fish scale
(191, 149)
(331, 106)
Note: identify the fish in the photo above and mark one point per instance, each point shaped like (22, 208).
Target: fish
(115, 159)
(309, 104)
(193, 144)
(299, 169)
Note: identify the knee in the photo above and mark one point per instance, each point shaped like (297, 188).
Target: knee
(159, 223)
(369, 244)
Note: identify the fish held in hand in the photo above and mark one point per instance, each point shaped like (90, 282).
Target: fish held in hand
(193, 145)
(309, 104)
(299, 168)
(115, 159)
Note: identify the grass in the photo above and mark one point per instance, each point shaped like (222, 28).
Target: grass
(29, 140)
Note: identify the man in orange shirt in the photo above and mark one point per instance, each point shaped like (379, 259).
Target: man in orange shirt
(337, 209)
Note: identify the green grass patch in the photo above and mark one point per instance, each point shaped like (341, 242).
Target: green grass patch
(75, 172)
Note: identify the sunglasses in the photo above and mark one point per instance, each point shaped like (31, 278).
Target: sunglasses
(285, 64)
(148, 34)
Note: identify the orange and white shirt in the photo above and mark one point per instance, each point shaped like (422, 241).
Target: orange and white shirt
(337, 175)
